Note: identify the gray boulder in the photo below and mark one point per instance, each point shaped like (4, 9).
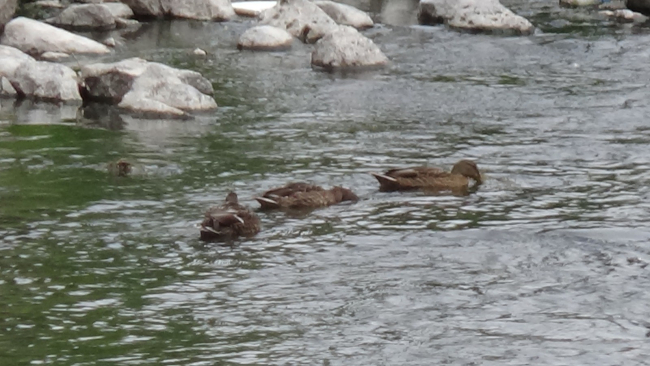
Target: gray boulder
(190, 9)
(346, 48)
(474, 16)
(345, 14)
(7, 10)
(265, 38)
(36, 37)
(639, 6)
(149, 88)
(85, 16)
(302, 18)
(21, 75)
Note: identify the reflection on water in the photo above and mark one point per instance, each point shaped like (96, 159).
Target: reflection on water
(546, 263)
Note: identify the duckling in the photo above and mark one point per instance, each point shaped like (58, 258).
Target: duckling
(229, 220)
(121, 168)
(304, 195)
(429, 178)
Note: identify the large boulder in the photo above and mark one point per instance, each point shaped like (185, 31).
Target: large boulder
(265, 38)
(21, 75)
(7, 10)
(302, 18)
(474, 16)
(190, 9)
(346, 48)
(345, 14)
(86, 16)
(34, 37)
(639, 6)
(149, 88)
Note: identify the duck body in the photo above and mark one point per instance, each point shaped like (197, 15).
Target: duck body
(229, 220)
(428, 178)
(304, 195)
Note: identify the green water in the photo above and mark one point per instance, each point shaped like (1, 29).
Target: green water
(544, 264)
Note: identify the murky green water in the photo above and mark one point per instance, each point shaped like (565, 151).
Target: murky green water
(537, 267)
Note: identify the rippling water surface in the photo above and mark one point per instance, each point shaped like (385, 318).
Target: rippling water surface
(546, 264)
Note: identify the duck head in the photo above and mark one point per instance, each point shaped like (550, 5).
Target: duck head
(468, 169)
(345, 194)
(232, 198)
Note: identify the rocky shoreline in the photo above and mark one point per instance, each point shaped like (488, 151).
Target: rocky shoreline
(30, 50)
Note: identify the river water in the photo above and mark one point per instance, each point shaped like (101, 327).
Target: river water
(545, 264)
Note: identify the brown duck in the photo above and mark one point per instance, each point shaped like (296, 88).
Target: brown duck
(229, 220)
(304, 195)
(428, 178)
(121, 168)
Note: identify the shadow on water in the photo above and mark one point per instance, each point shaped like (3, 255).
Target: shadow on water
(545, 263)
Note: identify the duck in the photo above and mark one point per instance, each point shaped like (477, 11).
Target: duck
(300, 195)
(429, 178)
(121, 168)
(229, 221)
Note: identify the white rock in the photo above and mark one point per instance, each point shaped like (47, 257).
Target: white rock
(148, 87)
(190, 9)
(36, 37)
(345, 14)
(346, 48)
(265, 38)
(302, 18)
(119, 10)
(110, 42)
(199, 52)
(572, 3)
(46, 80)
(7, 9)
(474, 15)
(252, 8)
(53, 56)
(6, 89)
(625, 15)
(85, 16)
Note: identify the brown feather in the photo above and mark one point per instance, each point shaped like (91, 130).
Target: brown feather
(428, 178)
(229, 220)
(303, 195)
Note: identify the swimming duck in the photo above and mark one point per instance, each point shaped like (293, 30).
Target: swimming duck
(423, 177)
(229, 220)
(121, 168)
(304, 195)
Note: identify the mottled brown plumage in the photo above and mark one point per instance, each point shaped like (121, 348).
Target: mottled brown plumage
(427, 178)
(121, 168)
(229, 220)
(304, 195)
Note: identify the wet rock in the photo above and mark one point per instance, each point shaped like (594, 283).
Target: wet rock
(346, 48)
(7, 10)
(6, 89)
(36, 79)
(302, 18)
(639, 6)
(189, 9)
(36, 37)
(199, 52)
(625, 16)
(85, 16)
(577, 3)
(265, 38)
(345, 14)
(252, 8)
(474, 16)
(53, 56)
(119, 10)
(147, 87)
